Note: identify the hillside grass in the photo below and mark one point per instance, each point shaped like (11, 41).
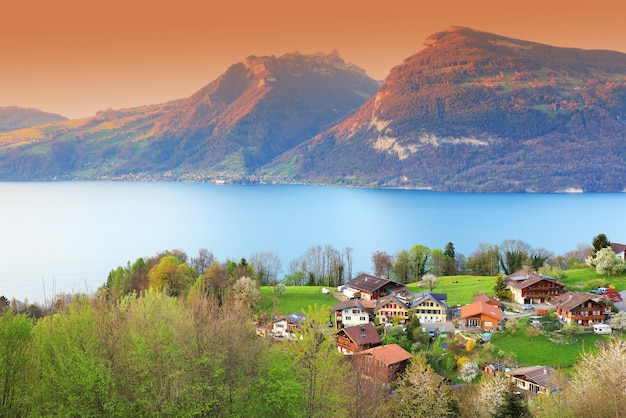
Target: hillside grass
(550, 349)
(461, 290)
(587, 279)
(295, 299)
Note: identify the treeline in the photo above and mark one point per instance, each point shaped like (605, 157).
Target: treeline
(160, 355)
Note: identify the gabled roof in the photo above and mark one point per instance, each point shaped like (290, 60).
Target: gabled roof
(439, 298)
(369, 283)
(367, 306)
(481, 308)
(362, 334)
(571, 300)
(618, 248)
(487, 299)
(388, 354)
(522, 279)
(294, 318)
(409, 300)
(540, 375)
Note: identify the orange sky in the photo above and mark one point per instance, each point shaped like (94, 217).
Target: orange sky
(75, 58)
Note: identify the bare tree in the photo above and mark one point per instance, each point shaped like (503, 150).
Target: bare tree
(266, 265)
(203, 261)
(383, 263)
(347, 252)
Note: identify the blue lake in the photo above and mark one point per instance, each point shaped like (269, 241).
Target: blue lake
(67, 236)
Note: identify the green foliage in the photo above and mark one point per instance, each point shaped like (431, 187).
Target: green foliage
(172, 276)
(321, 368)
(500, 289)
(15, 364)
(422, 393)
(599, 242)
(74, 372)
(512, 405)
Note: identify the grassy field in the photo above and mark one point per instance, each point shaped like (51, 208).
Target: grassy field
(546, 350)
(460, 289)
(587, 279)
(295, 299)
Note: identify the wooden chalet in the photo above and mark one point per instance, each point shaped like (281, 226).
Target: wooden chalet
(384, 363)
(352, 340)
(532, 288)
(579, 308)
(373, 287)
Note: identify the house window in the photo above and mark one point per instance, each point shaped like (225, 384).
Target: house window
(362, 318)
(348, 318)
(356, 311)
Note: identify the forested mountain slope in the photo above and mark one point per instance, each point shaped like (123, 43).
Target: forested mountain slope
(474, 111)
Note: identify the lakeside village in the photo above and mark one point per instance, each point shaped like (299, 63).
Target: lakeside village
(370, 307)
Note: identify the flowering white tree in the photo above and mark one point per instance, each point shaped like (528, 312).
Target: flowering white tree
(468, 371)
(247, 291)
(618, 321)
(606, 262)
(430, 280)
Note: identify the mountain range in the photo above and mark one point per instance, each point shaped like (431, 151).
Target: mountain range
(471, 112)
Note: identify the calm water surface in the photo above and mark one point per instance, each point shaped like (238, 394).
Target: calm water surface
(67, 236)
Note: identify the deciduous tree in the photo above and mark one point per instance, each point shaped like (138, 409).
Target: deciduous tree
(606, 262)
(383, 264)
(421, 392)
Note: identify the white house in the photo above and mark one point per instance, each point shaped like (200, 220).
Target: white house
(353, 312)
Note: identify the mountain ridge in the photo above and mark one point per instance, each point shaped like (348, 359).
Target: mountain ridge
(474, 111)
(471, 112)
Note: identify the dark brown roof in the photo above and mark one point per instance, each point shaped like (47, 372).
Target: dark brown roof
(570, 300)
(618, 248)
(362, 334)
(522, 279)
(355, 303)
(368, 283)
(388, 354)
(541, 375)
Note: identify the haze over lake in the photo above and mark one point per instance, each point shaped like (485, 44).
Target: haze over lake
(67, 236)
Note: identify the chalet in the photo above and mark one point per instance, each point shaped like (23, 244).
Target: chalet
(287, 325)
(489, 300)
(428, 307)
(532, 288)
(533, 380)
(384, 362)
(579, 308)
(353, 312)
(352, 340)
(619, 250)
(481, 314)
(372, 287)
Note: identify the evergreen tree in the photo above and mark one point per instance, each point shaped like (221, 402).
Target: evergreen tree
(512, 405)
(500, 288)
(451, 268)
(599, 242)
